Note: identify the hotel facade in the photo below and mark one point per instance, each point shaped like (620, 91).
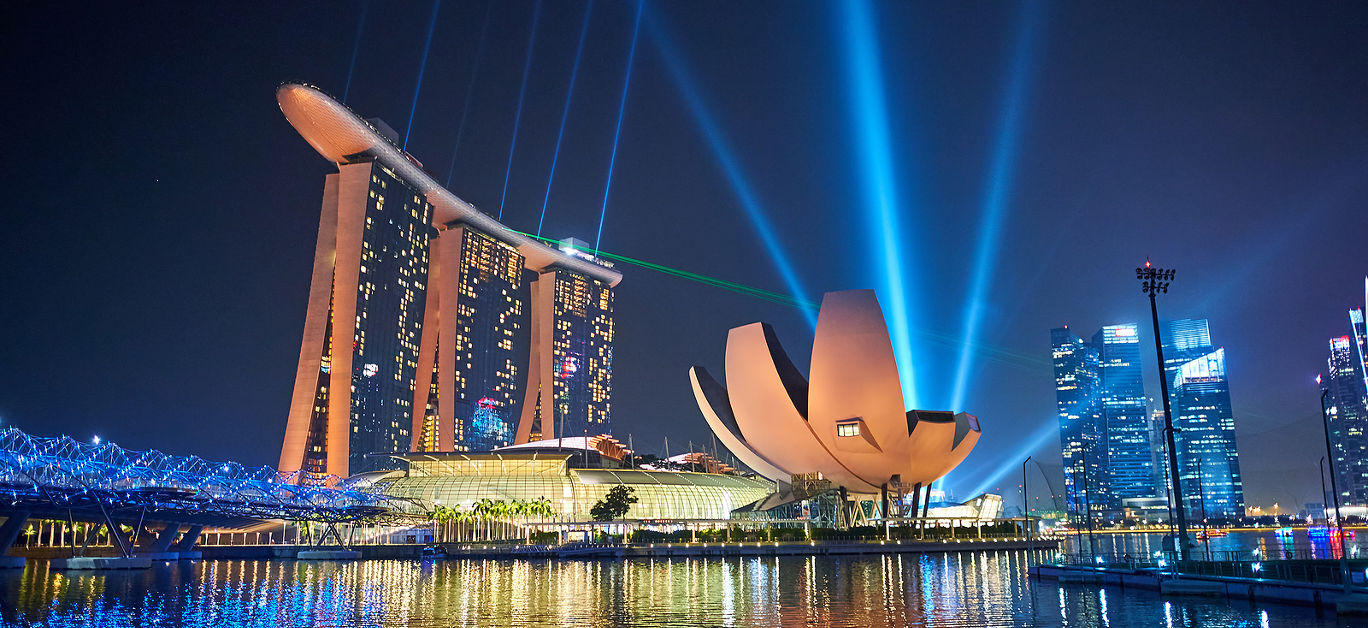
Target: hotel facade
(430, 326)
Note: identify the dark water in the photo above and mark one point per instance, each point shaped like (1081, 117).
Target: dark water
(967, 589)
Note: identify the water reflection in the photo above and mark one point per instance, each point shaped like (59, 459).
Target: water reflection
(965, 589)
(1298, 544)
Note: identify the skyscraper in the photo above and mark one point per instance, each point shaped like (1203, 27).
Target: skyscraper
(457, 324)
(1346, 407)
(364, 318)
(580, 356)
(1130, 464)
(1103, 428)
(1077, 392)
(1199, 399)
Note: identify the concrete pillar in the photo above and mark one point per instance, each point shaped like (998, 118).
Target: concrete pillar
(187, 540)
(143, 538)
(10, 530)
(164, 538)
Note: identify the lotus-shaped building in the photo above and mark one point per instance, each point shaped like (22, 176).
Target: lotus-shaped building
(847, 421)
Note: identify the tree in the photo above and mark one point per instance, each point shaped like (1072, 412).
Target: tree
(613, 505)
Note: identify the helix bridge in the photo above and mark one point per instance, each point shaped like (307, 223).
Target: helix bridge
(65, 479)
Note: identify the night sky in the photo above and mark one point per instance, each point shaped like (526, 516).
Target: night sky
(160, 214)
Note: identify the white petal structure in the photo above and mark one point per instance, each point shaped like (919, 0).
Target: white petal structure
(847, 422)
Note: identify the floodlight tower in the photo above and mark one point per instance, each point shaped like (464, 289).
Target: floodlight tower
(1334, 490)
(1155, 281)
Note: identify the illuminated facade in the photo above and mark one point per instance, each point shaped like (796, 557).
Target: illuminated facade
(846, 422)
(1077, 394)
(1104, 428)
(365, 317)
(1199, 401)
(573, 477)
(1347, 405)
(582, 352)
(457, 326)
(1130, 464)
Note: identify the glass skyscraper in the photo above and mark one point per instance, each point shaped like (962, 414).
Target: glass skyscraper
(1104, 430)
(1078, 391)
(1347, 407)
(1199, 400)
(1130, 464)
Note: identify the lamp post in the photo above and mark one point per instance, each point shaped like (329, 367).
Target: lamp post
(1334, 490)
(1026, 509)
(1325, 508)
(1154, 281)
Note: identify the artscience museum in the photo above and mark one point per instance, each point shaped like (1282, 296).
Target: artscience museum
(845, 422)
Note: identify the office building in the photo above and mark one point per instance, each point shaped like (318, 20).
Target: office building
(1104, 429)
(1081, 433)
(1347, 407)
(1199, 401)
(457, 325)
(1130, 463)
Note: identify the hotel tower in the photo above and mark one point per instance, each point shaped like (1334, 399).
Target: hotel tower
(430, 326)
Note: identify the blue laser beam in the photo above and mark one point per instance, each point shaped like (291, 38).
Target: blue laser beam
(1000, 179)
(565, 114)
(356, 46)
(874, 164)
(469, 92)
(422, 67)
(517, 118)
(622, 109)
(731, 166)
(1012, 462)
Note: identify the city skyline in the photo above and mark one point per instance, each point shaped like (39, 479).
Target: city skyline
(193, 263)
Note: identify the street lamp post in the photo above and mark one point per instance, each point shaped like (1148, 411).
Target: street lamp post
(1325, 508)
(1154, 281)
(1334, 490)
(1026, 509)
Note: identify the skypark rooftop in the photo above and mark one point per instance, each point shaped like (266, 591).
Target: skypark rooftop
(341, 136)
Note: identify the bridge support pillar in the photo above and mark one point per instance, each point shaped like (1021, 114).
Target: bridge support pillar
(164, 538)
(9, 533)
(188, 540)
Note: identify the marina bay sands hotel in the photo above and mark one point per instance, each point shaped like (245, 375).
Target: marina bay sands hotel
(430, 326)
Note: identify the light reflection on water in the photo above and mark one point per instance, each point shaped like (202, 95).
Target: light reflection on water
(964, 589)
(1234, 546)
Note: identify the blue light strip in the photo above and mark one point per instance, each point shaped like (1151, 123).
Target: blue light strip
(622, 109)
(565, 115)
(356, 46)
(730, 165)
(422, 67)
(874, 163)
(1000, 182)
(517, 118)
(470, 91)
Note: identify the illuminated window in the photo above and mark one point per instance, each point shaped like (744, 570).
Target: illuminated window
(848, 428)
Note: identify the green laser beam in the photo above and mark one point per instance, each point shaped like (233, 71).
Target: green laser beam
(997, 354)
(767, 295)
